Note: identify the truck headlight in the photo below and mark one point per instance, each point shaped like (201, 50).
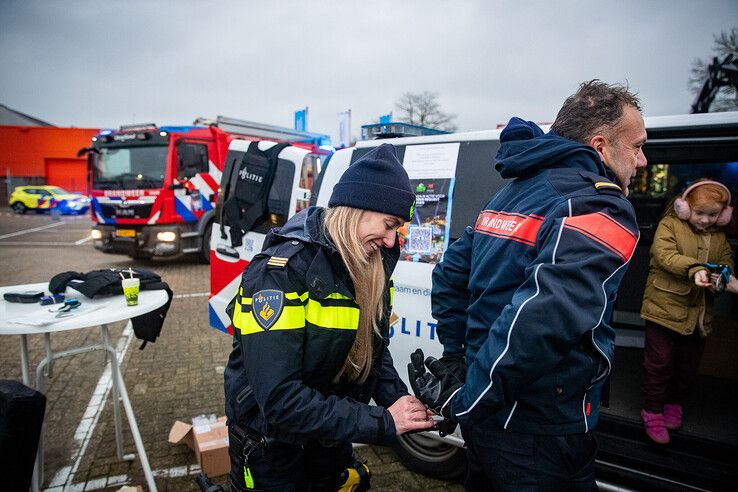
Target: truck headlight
(166, 236)
(96, 234)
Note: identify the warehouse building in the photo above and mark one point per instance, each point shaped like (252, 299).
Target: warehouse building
(35, 152)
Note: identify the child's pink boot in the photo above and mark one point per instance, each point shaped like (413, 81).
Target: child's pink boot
(655, 427)
(672, 416)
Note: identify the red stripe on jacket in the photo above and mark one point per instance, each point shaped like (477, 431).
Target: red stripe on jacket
(509, 225)
(605, 230)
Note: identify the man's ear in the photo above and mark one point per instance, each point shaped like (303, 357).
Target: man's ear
(599, 143)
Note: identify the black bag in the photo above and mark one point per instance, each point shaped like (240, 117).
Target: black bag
(21, 416)
(147, 327)
(103, 282)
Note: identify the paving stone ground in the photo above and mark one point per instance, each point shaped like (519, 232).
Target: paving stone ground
(176, 378)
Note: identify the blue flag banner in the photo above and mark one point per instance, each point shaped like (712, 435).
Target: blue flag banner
(385, 118)
(301, 120)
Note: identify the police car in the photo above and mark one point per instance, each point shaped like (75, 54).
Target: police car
(454, 176)
(45, 198)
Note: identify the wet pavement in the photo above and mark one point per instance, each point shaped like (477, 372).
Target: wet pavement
(177, 377)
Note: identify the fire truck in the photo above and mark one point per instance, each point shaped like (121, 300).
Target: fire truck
(154, 188)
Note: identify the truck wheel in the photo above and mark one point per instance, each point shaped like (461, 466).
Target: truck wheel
(18, 208)
(431, 457)
(205, 246)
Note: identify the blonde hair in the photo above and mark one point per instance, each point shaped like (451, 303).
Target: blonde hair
(367, 273)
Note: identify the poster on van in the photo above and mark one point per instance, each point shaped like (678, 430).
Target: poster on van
(431, 169)
(425, 237)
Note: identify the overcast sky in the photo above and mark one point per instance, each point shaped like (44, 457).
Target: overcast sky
(103, 64)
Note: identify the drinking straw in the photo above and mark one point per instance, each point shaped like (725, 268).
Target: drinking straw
(130, 272)
(121, 275)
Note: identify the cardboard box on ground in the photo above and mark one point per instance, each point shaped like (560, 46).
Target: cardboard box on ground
(208, 438)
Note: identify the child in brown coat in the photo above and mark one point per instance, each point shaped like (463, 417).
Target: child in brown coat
(677, 303)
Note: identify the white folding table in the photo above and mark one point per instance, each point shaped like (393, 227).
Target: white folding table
(101, 311)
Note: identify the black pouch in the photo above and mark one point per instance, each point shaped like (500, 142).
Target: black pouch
(23, 297)
(147, 327)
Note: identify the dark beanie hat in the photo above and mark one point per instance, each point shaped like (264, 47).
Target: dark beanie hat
(378, 182)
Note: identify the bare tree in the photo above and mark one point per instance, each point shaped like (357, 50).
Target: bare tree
(725, 44)
(423, 109)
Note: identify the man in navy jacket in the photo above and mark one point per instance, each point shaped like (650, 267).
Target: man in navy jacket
(526, 294)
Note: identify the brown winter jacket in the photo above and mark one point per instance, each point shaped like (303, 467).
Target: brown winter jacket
(671, 298)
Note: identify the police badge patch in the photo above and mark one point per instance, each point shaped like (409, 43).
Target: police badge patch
(266, 306)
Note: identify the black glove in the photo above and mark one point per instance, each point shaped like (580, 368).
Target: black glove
(456, 364)
(433, 388)
(445, 427)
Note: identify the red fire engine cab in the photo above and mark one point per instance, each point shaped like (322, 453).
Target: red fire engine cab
(154, 189)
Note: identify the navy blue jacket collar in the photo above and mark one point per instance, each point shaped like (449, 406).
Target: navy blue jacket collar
(525, 151)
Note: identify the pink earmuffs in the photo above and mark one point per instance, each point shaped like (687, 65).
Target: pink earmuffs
(681, 206)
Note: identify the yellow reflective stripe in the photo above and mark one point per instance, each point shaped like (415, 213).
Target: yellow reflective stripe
(392, 292)
(295, 317)
(294, 296)
(291, 318)
(241, 319)
(336, 295)
(337, 317)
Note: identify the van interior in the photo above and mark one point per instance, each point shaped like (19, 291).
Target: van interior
(702, 454)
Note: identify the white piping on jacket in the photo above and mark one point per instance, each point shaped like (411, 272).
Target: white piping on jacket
(599, 323)
(507, 345)
(512, 411)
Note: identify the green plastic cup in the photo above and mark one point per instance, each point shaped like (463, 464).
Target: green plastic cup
(130, 290)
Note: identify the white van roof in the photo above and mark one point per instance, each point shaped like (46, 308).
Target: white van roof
(428, 139)
(703, 119)
(694, 120)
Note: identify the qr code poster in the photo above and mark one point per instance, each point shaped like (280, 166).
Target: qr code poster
(425, 237)
(420, 239)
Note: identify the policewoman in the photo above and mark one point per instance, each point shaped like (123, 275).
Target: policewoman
(311, 321)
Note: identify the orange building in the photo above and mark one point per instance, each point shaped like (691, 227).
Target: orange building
(43, 155)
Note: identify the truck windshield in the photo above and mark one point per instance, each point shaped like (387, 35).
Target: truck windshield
(130, 168)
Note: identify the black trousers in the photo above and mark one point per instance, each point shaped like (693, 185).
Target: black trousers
(284, 467)
(502, 460)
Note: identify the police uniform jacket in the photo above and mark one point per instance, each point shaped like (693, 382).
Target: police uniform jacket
(527, 292)
(671, 298)
(295, 319)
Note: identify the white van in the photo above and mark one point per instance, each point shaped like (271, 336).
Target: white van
(454, 177)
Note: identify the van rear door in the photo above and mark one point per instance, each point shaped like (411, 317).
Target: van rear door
(702, 454)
